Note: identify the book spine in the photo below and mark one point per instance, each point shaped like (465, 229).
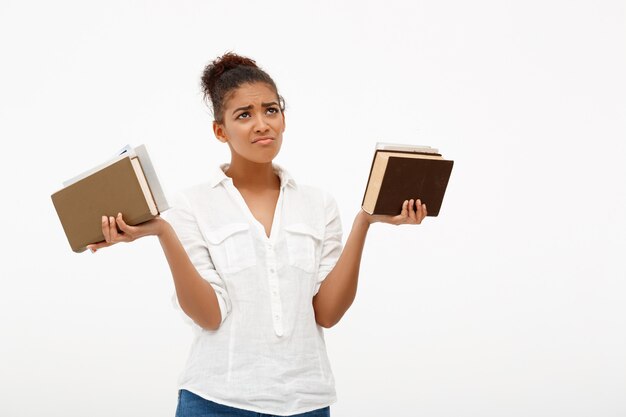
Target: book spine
(369, 178)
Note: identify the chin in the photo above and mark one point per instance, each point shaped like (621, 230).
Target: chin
(261, 157)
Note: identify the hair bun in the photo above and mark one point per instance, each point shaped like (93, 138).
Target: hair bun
(223, 64)
(227, 73)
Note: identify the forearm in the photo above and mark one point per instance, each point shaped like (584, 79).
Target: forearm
(195, 295)
(338, 290)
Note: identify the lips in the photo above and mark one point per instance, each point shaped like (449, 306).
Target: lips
(263, 140)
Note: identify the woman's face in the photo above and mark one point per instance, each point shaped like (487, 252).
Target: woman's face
(253, 123)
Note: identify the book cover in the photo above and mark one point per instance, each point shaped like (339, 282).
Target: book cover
(118, 187)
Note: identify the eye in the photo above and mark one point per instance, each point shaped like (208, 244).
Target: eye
(243, 115)
(273, 110)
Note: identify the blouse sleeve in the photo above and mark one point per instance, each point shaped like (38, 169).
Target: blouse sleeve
(182, 219)
(332, 245)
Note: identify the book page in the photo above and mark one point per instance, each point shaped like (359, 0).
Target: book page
(122, 153)
(403, 147)
(151, 177)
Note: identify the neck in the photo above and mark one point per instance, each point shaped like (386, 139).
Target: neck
(252, 176)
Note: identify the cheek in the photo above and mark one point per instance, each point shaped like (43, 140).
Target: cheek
(238, 132)
(278, 125)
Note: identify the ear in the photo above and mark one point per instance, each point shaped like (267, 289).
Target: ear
(220, 132)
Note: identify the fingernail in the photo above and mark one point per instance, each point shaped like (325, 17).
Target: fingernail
(104, 218)
(119, 214)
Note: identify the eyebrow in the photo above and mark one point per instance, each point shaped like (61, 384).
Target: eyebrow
(248, 107)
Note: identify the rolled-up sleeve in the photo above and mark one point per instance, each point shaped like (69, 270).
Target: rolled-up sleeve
(332, 244)
(184, 223)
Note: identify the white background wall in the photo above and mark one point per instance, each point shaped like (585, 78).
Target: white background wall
(511, 303)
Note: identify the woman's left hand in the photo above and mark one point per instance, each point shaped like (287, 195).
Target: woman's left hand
(413, 212)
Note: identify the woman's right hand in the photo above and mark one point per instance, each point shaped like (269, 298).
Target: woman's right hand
(128, 233)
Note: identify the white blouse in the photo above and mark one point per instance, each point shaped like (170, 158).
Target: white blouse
(268, 355)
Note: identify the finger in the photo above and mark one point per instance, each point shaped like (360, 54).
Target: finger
(412, 215)
(124, 227)
(105, 229)
(95, 246)
(405, 206)
(400, 218)
(419, 211)
(113, 229)
(425, 210)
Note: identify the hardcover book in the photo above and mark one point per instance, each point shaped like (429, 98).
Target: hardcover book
(126, 184)
(403, 172)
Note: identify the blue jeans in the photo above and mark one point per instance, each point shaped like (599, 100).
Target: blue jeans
(191, 405)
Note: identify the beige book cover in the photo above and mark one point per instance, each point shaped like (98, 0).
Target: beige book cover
(118, 187)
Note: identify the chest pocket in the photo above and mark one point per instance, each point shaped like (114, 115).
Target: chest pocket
(303, 246)
(231, 247)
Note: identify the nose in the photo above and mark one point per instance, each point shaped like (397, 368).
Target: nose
(261, 125)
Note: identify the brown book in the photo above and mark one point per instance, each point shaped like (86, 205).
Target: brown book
(402, 172)
(120, 187)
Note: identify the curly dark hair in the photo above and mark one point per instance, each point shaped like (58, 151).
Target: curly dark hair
(225, 74)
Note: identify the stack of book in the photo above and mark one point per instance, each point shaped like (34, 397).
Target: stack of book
(126, 184)
(402, 172)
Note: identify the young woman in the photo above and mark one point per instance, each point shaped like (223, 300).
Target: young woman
(257, 262)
